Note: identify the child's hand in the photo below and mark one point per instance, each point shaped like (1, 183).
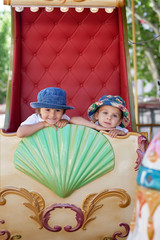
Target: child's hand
(62, 123)
(115, 132)
(46, 124)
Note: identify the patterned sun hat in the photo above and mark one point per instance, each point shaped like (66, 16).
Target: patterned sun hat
(114, 101)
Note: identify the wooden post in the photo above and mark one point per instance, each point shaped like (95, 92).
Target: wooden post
(135, 64)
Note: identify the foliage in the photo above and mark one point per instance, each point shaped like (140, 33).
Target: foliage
(4, 52)
(147, 21)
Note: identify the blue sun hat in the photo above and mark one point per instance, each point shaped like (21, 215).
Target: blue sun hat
(51, 97)
(114, 101)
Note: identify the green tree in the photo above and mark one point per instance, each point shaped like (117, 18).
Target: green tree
(4, 52)
(147, 18)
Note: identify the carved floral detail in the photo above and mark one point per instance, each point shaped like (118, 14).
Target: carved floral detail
(90, 204)
(36, 202)
(119, 234)
(16, 237)
(4, 232)
(142, 144)
(42, 216)
(56, 228)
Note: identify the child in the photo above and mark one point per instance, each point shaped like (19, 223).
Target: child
(109, 113)
(50, 111)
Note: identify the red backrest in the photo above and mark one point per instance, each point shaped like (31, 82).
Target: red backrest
(82, 53)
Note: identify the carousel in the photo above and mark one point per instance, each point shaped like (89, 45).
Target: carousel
(73, 183)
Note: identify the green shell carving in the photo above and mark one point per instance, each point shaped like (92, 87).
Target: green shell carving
(66, 159)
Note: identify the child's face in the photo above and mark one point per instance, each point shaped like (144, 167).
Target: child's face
(51, 115)
(108, 116)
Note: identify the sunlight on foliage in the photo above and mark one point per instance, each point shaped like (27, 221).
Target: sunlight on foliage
(5, 31)
(147, 22)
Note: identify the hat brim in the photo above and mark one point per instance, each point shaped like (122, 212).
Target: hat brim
(125, 120)
(49, 105)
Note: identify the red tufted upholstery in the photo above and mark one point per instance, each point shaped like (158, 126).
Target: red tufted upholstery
(82, 53)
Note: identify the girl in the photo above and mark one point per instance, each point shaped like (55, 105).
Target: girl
(109, 113)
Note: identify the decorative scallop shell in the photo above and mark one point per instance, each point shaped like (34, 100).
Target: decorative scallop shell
(66, 159)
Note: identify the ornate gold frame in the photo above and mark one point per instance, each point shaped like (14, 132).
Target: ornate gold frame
(71, 3)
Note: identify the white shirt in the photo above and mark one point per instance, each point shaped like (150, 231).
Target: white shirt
(35, 118)
(125, 130)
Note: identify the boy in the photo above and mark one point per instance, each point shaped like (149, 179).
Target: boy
(50, 111)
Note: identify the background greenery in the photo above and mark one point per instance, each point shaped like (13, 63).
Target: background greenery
(4, 52)
(147, 17)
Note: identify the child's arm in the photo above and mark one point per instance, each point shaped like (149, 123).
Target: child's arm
(27, 130)
(84, 122)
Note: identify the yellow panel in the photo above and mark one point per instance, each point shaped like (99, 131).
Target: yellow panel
(71, 3)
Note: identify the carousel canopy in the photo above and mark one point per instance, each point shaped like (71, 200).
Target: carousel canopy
(68, 3)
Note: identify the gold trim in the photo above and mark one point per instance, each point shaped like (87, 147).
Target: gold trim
(120, 3)
(135, 64)
(89, 205)
(125, 136)
(7, 2)
(7, 134)
(71, 3)
(36, 202)
(127, 56)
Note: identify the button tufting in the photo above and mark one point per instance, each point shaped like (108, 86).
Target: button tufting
(51, 47)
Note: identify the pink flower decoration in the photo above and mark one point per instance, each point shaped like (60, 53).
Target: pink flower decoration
(157, 147)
